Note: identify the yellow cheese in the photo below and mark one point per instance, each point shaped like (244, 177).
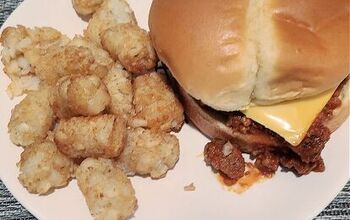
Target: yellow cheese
(292, 119)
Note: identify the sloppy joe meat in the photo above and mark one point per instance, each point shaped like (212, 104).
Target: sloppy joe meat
(302, 159)
(225, 158)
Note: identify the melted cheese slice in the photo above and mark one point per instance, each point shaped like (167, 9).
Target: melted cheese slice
(292, 119)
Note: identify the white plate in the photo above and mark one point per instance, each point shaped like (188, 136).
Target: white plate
(282, 197)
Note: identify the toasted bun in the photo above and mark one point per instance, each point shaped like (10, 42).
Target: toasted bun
(228, 53)
(211, 125)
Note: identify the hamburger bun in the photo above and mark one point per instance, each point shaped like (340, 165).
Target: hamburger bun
(229, 53)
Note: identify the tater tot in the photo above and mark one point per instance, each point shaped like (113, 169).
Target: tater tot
(132, 46)
(17, 41)
(98, 136)
(87, 95)
(79, 57)
(43, 168)
(103, 61)
(62, 61)
(156, 106)
(60, 101)
(107, 190)
(21, 48)
(32, 118)
(118, 83)
(110, 13)
(86, 7)
(149, 153)
(80, 96)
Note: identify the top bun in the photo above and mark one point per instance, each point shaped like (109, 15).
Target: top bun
(228, 53)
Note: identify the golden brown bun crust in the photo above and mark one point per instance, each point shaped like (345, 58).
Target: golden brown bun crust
(214, 48)
(204, 44)
(311, 49)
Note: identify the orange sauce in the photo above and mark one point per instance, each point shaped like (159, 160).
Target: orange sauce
(251, 176)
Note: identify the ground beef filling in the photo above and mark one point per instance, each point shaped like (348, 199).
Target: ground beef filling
(311, 147)
(225, 158)
(302, 159)
(267, 163)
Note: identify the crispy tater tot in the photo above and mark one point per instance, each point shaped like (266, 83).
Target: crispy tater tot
(71, 60)
(107, 190)
(60, 101)
(43, 168)
(17, 41)
(86, 7)
(21, 48)
(87, 95)
(80, 95)
(118, 83)
(132, 46)
(156, 106)
(62, 61)
(98, 136)
(32, 118)
(103, 61)
(22, 85)
(149, 152)
(110, 13)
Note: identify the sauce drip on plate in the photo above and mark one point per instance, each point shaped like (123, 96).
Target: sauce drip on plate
(251, 176)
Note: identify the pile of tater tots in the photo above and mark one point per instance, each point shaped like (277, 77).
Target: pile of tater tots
(94, 109)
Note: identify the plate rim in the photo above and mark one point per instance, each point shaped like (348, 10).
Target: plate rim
(37, 214)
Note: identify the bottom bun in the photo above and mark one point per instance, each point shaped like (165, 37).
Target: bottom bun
(213, 125)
